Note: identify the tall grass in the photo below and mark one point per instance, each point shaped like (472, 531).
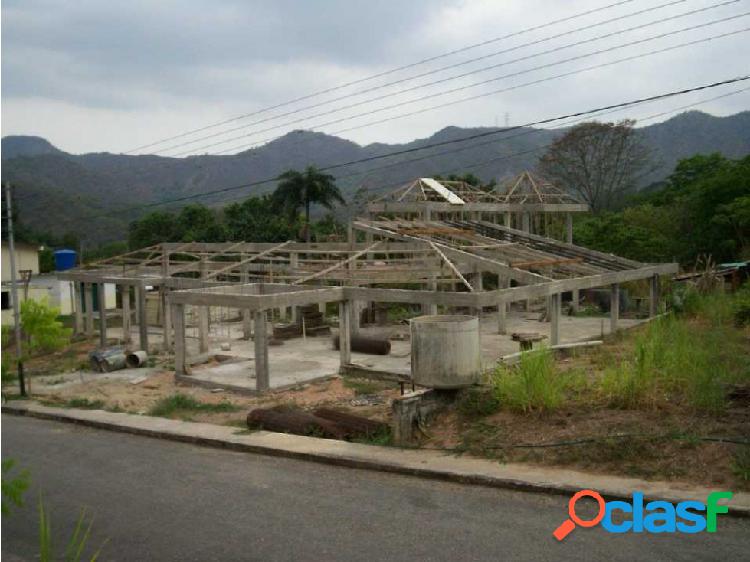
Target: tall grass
(531, 386)
(688, 358)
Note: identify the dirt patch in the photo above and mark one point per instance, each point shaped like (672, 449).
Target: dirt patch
(142, 397)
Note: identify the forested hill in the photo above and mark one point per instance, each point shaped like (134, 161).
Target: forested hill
(86, 193)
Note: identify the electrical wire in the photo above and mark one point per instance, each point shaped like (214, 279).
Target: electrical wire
(493, 92)
(484, 134)
(385, 73)
(455, 65)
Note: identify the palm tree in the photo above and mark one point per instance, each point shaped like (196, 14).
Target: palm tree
(302, 189)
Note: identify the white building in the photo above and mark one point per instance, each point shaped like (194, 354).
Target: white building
(58, 293)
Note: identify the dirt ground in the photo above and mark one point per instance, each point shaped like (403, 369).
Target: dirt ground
(667, 442)
(367, 398)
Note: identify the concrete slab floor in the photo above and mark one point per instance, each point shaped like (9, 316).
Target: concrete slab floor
(299, 360)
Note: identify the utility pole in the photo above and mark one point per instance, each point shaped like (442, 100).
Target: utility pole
(14, 290)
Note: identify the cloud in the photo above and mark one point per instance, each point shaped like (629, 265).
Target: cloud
(94, 76)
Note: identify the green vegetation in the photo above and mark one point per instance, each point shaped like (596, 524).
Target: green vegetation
(44, 333)
(366, 386)
(702, 208)
(534, 385)
(302, 189)
(477, 402)
(741, 463)
(13, 486)
(687, 359)
(182, 403)
(84, 404)
(76, 544)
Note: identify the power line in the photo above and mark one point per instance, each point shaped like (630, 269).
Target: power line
(485, 94)
(385, 73)
(463, 63)
(475, 165)
(484, 134)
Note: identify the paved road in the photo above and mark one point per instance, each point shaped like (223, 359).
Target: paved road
(159, 500)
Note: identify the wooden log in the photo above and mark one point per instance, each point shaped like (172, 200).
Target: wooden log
(352, 423)
(294, 421)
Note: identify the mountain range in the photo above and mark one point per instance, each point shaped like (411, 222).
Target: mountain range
(92, 194)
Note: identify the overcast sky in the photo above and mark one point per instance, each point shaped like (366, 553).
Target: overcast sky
(93, 76)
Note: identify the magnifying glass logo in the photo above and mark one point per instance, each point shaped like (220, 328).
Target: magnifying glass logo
(569, 524)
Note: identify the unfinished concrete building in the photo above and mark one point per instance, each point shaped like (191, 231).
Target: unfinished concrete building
(217, 306)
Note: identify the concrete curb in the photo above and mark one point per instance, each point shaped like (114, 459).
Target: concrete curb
(414, 462)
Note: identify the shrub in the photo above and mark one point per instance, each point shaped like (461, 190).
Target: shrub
(183, 402)
(741, 307)
(532, 385)
(41, 327)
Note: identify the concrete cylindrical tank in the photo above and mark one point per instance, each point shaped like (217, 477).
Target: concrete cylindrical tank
(445, 351)
(65, 259)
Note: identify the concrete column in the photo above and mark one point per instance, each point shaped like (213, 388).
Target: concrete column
(166, 315)
(262, 379)
(142, 322)
(345, 342)
(137, 306)
(569, 228)
(78, 304)
(502, 320)
(525, 222)
(614, 308)
(203, 312)
(167, 319)
(355, 312)
(555, 302)
(478, 284)
(88, 295)
(180, 354)
(575, 300)
(247, 315)
(426, 213)
(102, 298)
(125, 299)
(653, 308)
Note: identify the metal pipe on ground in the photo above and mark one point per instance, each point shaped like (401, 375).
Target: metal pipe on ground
(364, 344)
(136, 359)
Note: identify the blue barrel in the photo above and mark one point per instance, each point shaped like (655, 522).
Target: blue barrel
(65, 259)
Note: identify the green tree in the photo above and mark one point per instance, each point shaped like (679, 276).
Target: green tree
(302, 189)
(199, 223)
(256, 220)
(43, 331)
(154, 228)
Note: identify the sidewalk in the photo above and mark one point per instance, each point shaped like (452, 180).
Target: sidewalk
(423, 463)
